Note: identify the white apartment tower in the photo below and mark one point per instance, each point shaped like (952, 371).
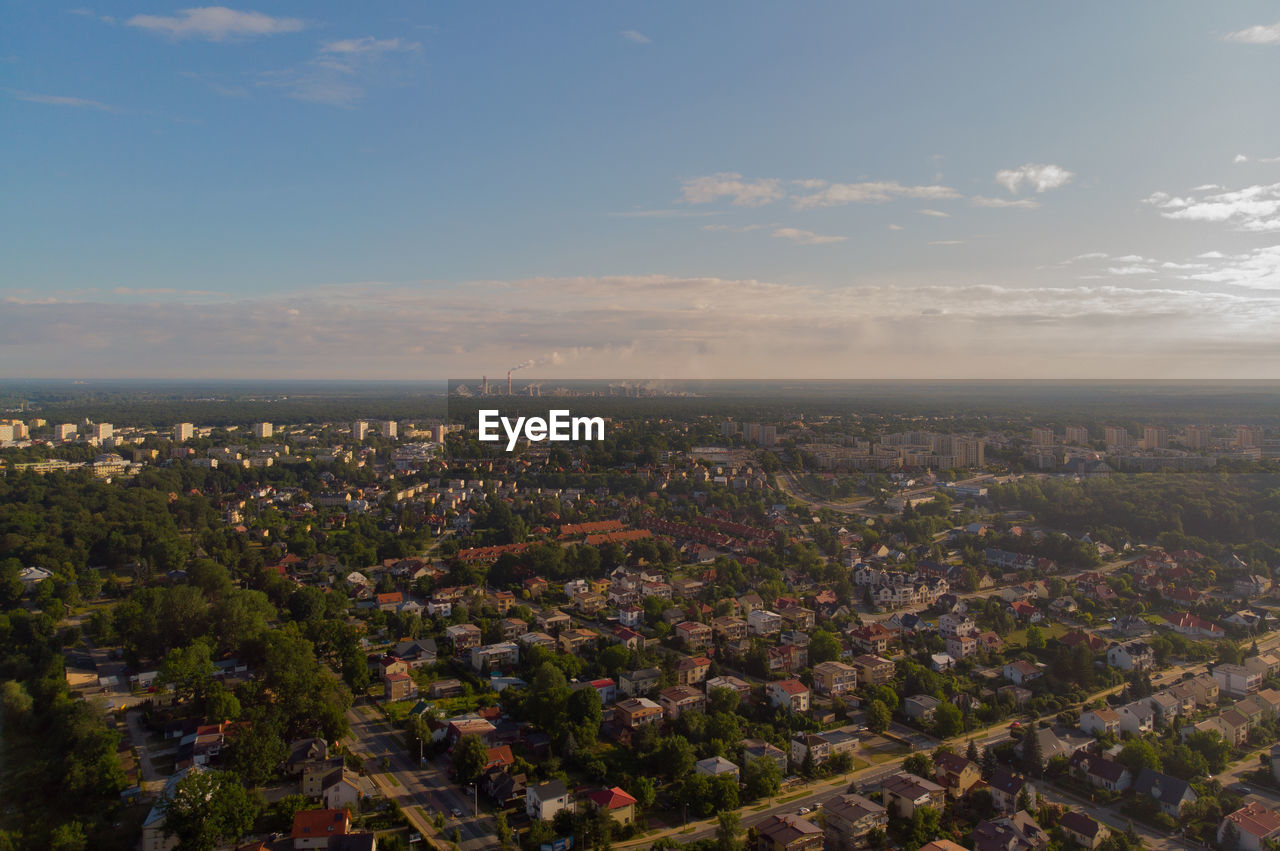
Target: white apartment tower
(262, 430)
(182, 432)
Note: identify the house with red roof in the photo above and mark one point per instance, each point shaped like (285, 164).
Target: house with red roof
(789, 694)
(617, 803)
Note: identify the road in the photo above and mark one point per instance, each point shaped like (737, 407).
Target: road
(420, 791)
(817, 793)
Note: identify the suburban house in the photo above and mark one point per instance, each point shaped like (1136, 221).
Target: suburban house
(1006, 786)
(546, 799)
(875, 670)
(1254, 824)
(834, 678)
(635, 712)
(1082, 829)
(1170, 793)
(788, 833)
(903, 792)
(1099, 721)
(677, 700)
(789, 694)
(1022, 672)
(1131, 656)
(617, 803)
(849, 818)
(955, 773)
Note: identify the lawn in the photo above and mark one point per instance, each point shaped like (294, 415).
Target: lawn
(1049, 630)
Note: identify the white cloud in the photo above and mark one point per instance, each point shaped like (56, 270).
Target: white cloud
(1259, 34)
(735, 228)
(367, 46)
(89, 13)
(895, 227)
(806, 237)
(871, 192)
(1240, 158)
(62, 100)
(1254, 209)
(1040, 176)
(728, 184)
(663, 214)
(936, 213)
(215, 23)
(1020, 203)
(341, 70)
(1130, 270)
(947, 242)
(636, 37)
(1257, 269)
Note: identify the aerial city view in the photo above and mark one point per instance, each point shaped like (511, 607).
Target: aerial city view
(734, 426)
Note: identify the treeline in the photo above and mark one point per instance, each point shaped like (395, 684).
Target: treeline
(1214, 512)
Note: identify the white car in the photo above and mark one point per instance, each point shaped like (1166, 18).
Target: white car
(803, 811)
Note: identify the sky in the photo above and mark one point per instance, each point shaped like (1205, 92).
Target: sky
(741, 189)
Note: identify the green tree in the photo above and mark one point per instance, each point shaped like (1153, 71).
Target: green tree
(256, 750)
(877, 716)
(207, 809)
(948, 721)
(918, 764)
(1138, 754)
(1032, 753)
(644, 792)
(728, 826)
(1035, 638)
(825, 646)
(469, 757)
(762, 778)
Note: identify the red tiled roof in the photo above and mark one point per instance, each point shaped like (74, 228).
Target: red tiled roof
(312, 823)
(612, 799)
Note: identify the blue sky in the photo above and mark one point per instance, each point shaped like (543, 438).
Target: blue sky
(736, 189)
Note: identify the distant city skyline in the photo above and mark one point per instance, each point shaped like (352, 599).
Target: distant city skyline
(828, 190)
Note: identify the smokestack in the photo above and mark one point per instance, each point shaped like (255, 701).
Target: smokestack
(484, 385)
(508, 382)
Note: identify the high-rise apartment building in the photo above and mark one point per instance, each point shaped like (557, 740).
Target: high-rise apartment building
(359, 429)
(182, 432)
(1115, 437)
(101, 431)
(1078, 435)
(1196, 437)
(1155, 437)
(262, 430)
(1041, 436)
(1248, 436)
(389, 429)
(64, 432)
(969, 451)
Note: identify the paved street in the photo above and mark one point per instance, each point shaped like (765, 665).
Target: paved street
(421, 792)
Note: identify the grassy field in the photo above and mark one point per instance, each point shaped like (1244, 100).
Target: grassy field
(1049, 630)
